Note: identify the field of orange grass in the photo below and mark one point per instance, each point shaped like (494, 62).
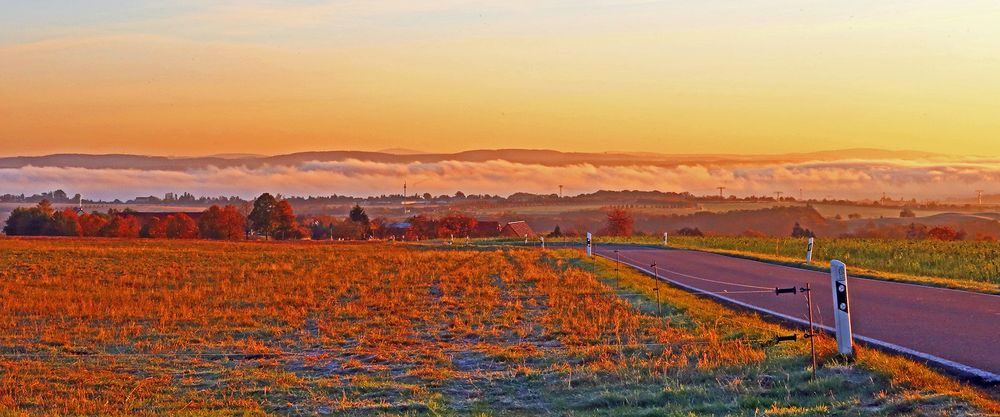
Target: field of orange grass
(140, 327)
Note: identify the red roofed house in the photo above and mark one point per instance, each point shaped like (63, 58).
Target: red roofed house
(517, 229)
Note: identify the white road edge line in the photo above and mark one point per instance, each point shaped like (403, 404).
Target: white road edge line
(979, 373)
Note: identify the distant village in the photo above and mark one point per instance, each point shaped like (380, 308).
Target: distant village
(425, 216)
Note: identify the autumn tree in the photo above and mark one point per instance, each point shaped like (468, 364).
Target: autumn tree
(346, 229)
(155, 228)
(46, 207)
(263, 217)
(285, 225)
(180, 226)
(29, 221)
(123, 226)
(359, 217)
(378, 227)
(66, 223)
(319, 231)
(421, 227)
(92, 224)
(221, 223)
(456, 225)
(620, 223)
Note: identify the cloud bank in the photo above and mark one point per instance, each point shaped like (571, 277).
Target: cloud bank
(854, 179)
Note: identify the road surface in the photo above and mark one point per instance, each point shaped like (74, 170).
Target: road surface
(955, 329)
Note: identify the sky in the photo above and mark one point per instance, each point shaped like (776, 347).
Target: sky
(187, 77)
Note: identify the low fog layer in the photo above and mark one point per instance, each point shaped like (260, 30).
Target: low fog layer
(854, 179)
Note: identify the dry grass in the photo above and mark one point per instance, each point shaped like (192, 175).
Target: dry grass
(129, 327)
(909, 387)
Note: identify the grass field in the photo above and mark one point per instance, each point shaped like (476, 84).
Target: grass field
(141, 327)
(967, 265)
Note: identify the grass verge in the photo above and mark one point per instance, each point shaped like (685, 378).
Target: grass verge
(873, 383)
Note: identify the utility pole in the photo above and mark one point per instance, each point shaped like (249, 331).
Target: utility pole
(778, 195)
(720, 192)
(980, 194)
(560, 191)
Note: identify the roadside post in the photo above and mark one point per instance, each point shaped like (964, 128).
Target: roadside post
(809, 252)
(812, 328)
(590, 248)
(543, 242)
(841, 307)
(665, 237)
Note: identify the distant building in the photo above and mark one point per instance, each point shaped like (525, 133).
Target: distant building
(517, 229)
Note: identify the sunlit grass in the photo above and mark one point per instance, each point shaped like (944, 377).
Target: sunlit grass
(130, 327)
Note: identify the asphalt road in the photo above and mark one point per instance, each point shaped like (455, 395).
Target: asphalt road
(955, 329)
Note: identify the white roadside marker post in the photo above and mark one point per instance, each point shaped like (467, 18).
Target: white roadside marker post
(842, 314)
(665, 237)
(543, 242)
(809, 252)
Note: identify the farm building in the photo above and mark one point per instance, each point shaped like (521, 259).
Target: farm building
(517, 229)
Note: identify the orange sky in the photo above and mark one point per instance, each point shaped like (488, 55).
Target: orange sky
(448, 75)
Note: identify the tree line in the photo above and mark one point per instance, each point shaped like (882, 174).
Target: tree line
(269, 218)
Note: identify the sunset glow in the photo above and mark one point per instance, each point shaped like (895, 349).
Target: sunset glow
(196, 78)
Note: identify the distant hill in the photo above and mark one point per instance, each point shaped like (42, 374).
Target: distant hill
(526, 156)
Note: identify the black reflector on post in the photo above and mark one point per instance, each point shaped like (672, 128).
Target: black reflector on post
(789, 290)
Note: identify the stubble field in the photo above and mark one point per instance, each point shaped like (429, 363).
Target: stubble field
(129, 327)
